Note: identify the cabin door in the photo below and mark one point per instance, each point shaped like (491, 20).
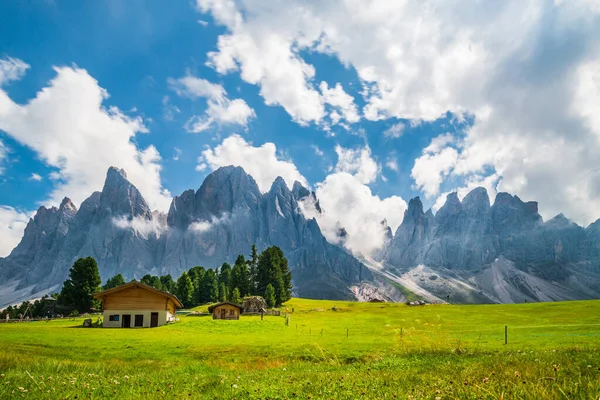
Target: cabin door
(153, 320)
(223, 314)
(126, 323)
(139, 321)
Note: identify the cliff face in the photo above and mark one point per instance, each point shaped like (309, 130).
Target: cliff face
(212, 225)
(465, 240)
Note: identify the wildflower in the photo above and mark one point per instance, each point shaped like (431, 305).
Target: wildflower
(486, 380)
(2, 375)
(285, 369)
(517, 374)
(126, 377)
(556, 368)
(438, 398)
(234, 386)
(589, 366)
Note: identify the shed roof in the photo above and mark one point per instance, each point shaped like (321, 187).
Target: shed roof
(141, 286)
(211, 308)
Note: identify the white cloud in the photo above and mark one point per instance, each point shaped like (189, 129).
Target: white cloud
(438, 143)
(260, 162)
(3, 154)
(177, 153)
(357, 162)
(340, 101)
(69, 128)
(317, 150)
(35, 177)
(220, 109)
(169, 110)
(395, 131)
(532, 97)
(392, 164)
(11, 69)
(12, 225)
(205, 226)
(140, 225)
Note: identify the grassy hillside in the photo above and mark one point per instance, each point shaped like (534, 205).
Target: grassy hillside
(358, 350)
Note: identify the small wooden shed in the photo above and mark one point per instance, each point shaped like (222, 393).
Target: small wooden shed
(136, 305)
(226, 310)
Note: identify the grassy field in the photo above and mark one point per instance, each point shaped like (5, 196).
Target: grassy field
(330, 350)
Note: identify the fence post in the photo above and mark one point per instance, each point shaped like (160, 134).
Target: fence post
(505, 334)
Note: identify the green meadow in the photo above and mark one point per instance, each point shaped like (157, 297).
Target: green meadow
(330, 350)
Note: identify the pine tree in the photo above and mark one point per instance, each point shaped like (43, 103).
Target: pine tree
(240, 276)
(113, 282)
(225, 275)
(84, 280)
(153, 281)
(222, 292)
(253, 266)
(209, 287)
(270, 296)
(185, 289)
(235, 296)
(167, 283)
(196, 275)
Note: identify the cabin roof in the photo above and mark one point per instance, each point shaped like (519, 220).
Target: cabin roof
(211, 308)
(141, 286)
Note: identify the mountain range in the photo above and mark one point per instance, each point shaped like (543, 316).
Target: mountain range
(469, 251)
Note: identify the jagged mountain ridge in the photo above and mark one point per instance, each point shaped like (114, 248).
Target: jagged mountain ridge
(215, 224)
(503, 252)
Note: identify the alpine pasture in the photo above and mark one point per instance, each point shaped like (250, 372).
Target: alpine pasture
(329, 350)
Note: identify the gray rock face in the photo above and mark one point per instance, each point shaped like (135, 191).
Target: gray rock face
(466, 237)
(213, 225)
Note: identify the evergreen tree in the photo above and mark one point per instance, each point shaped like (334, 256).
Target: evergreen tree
(253, 266)
(185, 289)
(209, 287)
(235, 296)
(196, 275)
(225, 276)
(273, 269)
(84, 280)
(167, 283)
(240, 276)
(222, 292)
(153, 281)
(270, 296)
(113, 282)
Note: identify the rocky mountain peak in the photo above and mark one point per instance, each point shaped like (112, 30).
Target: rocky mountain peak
(67, 206)
(120, 197)
(299, 191)
(476, 202)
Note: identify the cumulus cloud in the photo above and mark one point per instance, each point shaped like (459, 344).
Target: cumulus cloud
(261, 162)
(357, 162)
(70, 129)
(11, 69)
(220, 110)
(341, 102)
(532, 97)
(140, 225)
(392, 164)
(395, 131)
(12, 225)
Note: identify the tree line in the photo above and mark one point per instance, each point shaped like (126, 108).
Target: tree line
(265, 274)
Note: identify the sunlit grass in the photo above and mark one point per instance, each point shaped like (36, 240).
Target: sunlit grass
(330, 349)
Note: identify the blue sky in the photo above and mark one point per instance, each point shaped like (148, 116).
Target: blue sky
(469, 114)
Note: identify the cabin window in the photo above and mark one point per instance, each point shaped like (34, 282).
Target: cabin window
(231, 312)
(113, 318)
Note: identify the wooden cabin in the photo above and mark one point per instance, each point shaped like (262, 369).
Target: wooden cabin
(136, 305)
(225, 310)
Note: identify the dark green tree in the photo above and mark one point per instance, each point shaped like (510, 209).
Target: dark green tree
(185, 289)
(273, 269)
(270, 296)
(153, 281)
(252, 268)
(235, 296)
(225, 275)
(222, 292)
(113, 282)
(240, 276)
(167, 283)
(196, 275)
(84, 281)
(209, 287)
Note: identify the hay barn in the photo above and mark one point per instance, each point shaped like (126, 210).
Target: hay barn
(225, 310)
(136, 305)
